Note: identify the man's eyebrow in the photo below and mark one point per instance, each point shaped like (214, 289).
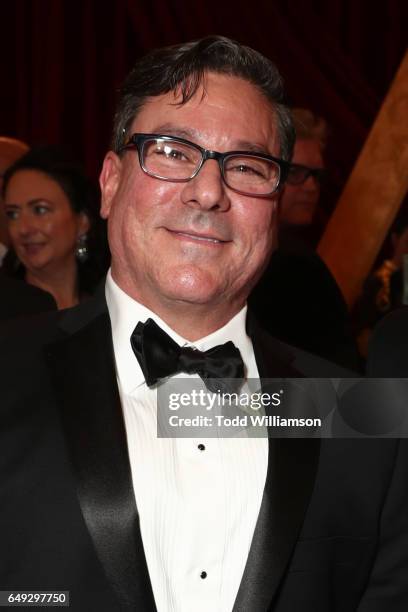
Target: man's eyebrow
(191, 134)
(252, 147)
(172, 130)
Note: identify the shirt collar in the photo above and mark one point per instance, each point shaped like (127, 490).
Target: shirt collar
(125, 313)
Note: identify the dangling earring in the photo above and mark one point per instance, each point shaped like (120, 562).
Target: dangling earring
(82, 251)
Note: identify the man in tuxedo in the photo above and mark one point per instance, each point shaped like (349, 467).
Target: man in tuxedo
(92, 501)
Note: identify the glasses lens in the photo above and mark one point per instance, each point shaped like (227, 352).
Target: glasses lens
(251, 174)
(320, 175)
(297, 175)
(170, 159)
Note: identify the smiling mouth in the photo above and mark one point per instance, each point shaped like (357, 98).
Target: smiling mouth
(198, 237)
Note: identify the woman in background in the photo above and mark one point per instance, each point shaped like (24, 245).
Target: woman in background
(58, 241)
(386, 288)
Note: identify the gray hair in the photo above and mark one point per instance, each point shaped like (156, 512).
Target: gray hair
(184, 66)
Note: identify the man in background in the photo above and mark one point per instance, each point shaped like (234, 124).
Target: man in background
(300, 197)
(297, 299)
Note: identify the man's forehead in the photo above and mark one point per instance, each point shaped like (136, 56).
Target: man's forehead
(221, 104)
(210, 80)
(308, 151)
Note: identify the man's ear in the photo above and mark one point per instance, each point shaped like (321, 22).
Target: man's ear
(109, 181)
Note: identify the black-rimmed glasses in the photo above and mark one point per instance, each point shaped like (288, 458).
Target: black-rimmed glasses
(298, 174)
(170, 158)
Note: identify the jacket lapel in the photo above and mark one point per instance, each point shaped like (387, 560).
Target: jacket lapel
(292, 465)
(83, 374)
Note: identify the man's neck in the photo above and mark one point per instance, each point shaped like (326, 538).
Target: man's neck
(191, 321)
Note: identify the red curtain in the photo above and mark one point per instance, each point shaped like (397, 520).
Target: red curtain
(63, 60)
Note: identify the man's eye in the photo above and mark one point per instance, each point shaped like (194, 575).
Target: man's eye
(176, 154)
(171, 152)
(298, 174)
(248, 169)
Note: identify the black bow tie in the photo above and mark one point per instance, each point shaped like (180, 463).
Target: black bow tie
(159, 356)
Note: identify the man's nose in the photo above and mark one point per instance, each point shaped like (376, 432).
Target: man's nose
(207, 190)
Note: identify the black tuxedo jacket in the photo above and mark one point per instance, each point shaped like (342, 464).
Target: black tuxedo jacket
(332, 531)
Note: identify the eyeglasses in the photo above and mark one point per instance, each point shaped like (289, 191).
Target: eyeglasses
(298, 174)
(178, 160)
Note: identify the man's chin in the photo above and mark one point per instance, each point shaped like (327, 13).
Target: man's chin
(191, 295)
(191, 286)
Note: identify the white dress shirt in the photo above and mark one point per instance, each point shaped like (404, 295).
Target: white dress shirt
(198, 499)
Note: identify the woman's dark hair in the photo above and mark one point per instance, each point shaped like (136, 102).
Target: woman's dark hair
(183, 66)
(82, 194)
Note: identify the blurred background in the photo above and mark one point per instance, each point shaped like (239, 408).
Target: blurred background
(62, 62)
